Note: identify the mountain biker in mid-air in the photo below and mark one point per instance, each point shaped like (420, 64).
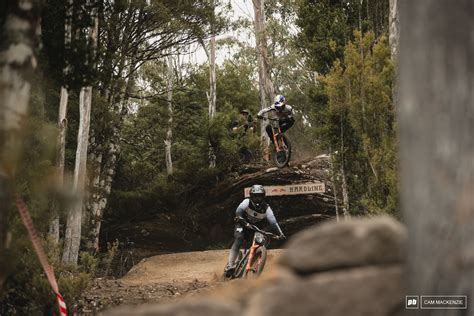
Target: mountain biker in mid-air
(284, 113)
(252, 210)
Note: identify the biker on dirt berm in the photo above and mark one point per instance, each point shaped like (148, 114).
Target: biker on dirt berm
(252, 210)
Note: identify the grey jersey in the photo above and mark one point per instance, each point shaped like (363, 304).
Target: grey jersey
(287, 111)
(244, 210)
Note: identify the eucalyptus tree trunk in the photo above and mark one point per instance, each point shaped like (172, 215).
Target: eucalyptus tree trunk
(437, 146)
(18, 40)
(334, 184)
(212, 93)
(169, 133)
(105, 161)
(394, 28)
(266, 88)
(344, 187)
(62, 128)
(72, 239)
(345, 194)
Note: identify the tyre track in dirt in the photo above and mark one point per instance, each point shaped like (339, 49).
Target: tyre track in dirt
(164, 278)
(203, 266)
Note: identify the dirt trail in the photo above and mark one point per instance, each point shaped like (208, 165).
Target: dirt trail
(203, 266)
(163, 278)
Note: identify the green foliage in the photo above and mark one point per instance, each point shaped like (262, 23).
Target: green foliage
(360, 121)
(27, 290)
(328, 25)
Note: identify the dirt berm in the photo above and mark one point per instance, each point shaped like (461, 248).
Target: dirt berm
(203, 219)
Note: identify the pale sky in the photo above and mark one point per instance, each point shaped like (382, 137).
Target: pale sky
(240, 8)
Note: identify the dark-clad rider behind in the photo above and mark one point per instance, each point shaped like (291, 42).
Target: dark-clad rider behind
(252, 210)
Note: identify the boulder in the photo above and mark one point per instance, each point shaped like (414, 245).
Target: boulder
(364, 291)
(204, 307)
(336, 245)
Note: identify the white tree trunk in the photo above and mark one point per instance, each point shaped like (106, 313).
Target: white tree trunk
(17, 61)
(72, 237)
(212, 77)
(345, 195)
(169, 133)
(394, 33)
(95, 196)
(345, 188)
(105, 164)
(62, 127)
(334, 184)
(266, 88)
(212, 93)
(436, 115)
(61, 149)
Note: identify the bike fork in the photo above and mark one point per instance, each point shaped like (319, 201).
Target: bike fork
(250, 258)
(275, 141)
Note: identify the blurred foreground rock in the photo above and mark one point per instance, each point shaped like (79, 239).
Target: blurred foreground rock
(347, 268)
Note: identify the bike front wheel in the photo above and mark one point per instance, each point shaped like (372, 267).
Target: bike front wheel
(258, 262)
(282, 158)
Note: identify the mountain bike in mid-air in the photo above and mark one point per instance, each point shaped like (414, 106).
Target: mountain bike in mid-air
(281, 146)
(251, 261)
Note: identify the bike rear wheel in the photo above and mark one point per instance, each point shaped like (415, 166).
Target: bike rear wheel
(282, 157)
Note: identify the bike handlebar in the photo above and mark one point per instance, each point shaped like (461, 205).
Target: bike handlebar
(255, 228)
(268, 118)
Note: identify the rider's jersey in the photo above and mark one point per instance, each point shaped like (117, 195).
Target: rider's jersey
(252, 216)
(287, 111)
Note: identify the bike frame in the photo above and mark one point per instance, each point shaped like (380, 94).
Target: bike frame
(276, 132)
(252, 250)
(244, 265)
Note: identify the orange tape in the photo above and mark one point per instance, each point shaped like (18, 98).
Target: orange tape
(38, 247)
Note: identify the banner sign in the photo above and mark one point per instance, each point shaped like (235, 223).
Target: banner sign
(292, 189)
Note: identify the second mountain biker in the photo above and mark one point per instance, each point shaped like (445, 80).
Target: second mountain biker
(253, 210)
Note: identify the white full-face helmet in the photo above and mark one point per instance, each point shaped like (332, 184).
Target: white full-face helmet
(279, 102)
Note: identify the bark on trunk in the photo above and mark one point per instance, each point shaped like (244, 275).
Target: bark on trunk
(60, 155)
(212, 94)
(62, 128)
(334, 184)
(72, 237)
(345, 195)
(345, 189)
(169, 133)
(105, 162)
(267, 91)
(394, 28)
(437, 146)
(18, 39)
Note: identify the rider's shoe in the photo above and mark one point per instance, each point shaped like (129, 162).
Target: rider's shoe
(229, 270)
